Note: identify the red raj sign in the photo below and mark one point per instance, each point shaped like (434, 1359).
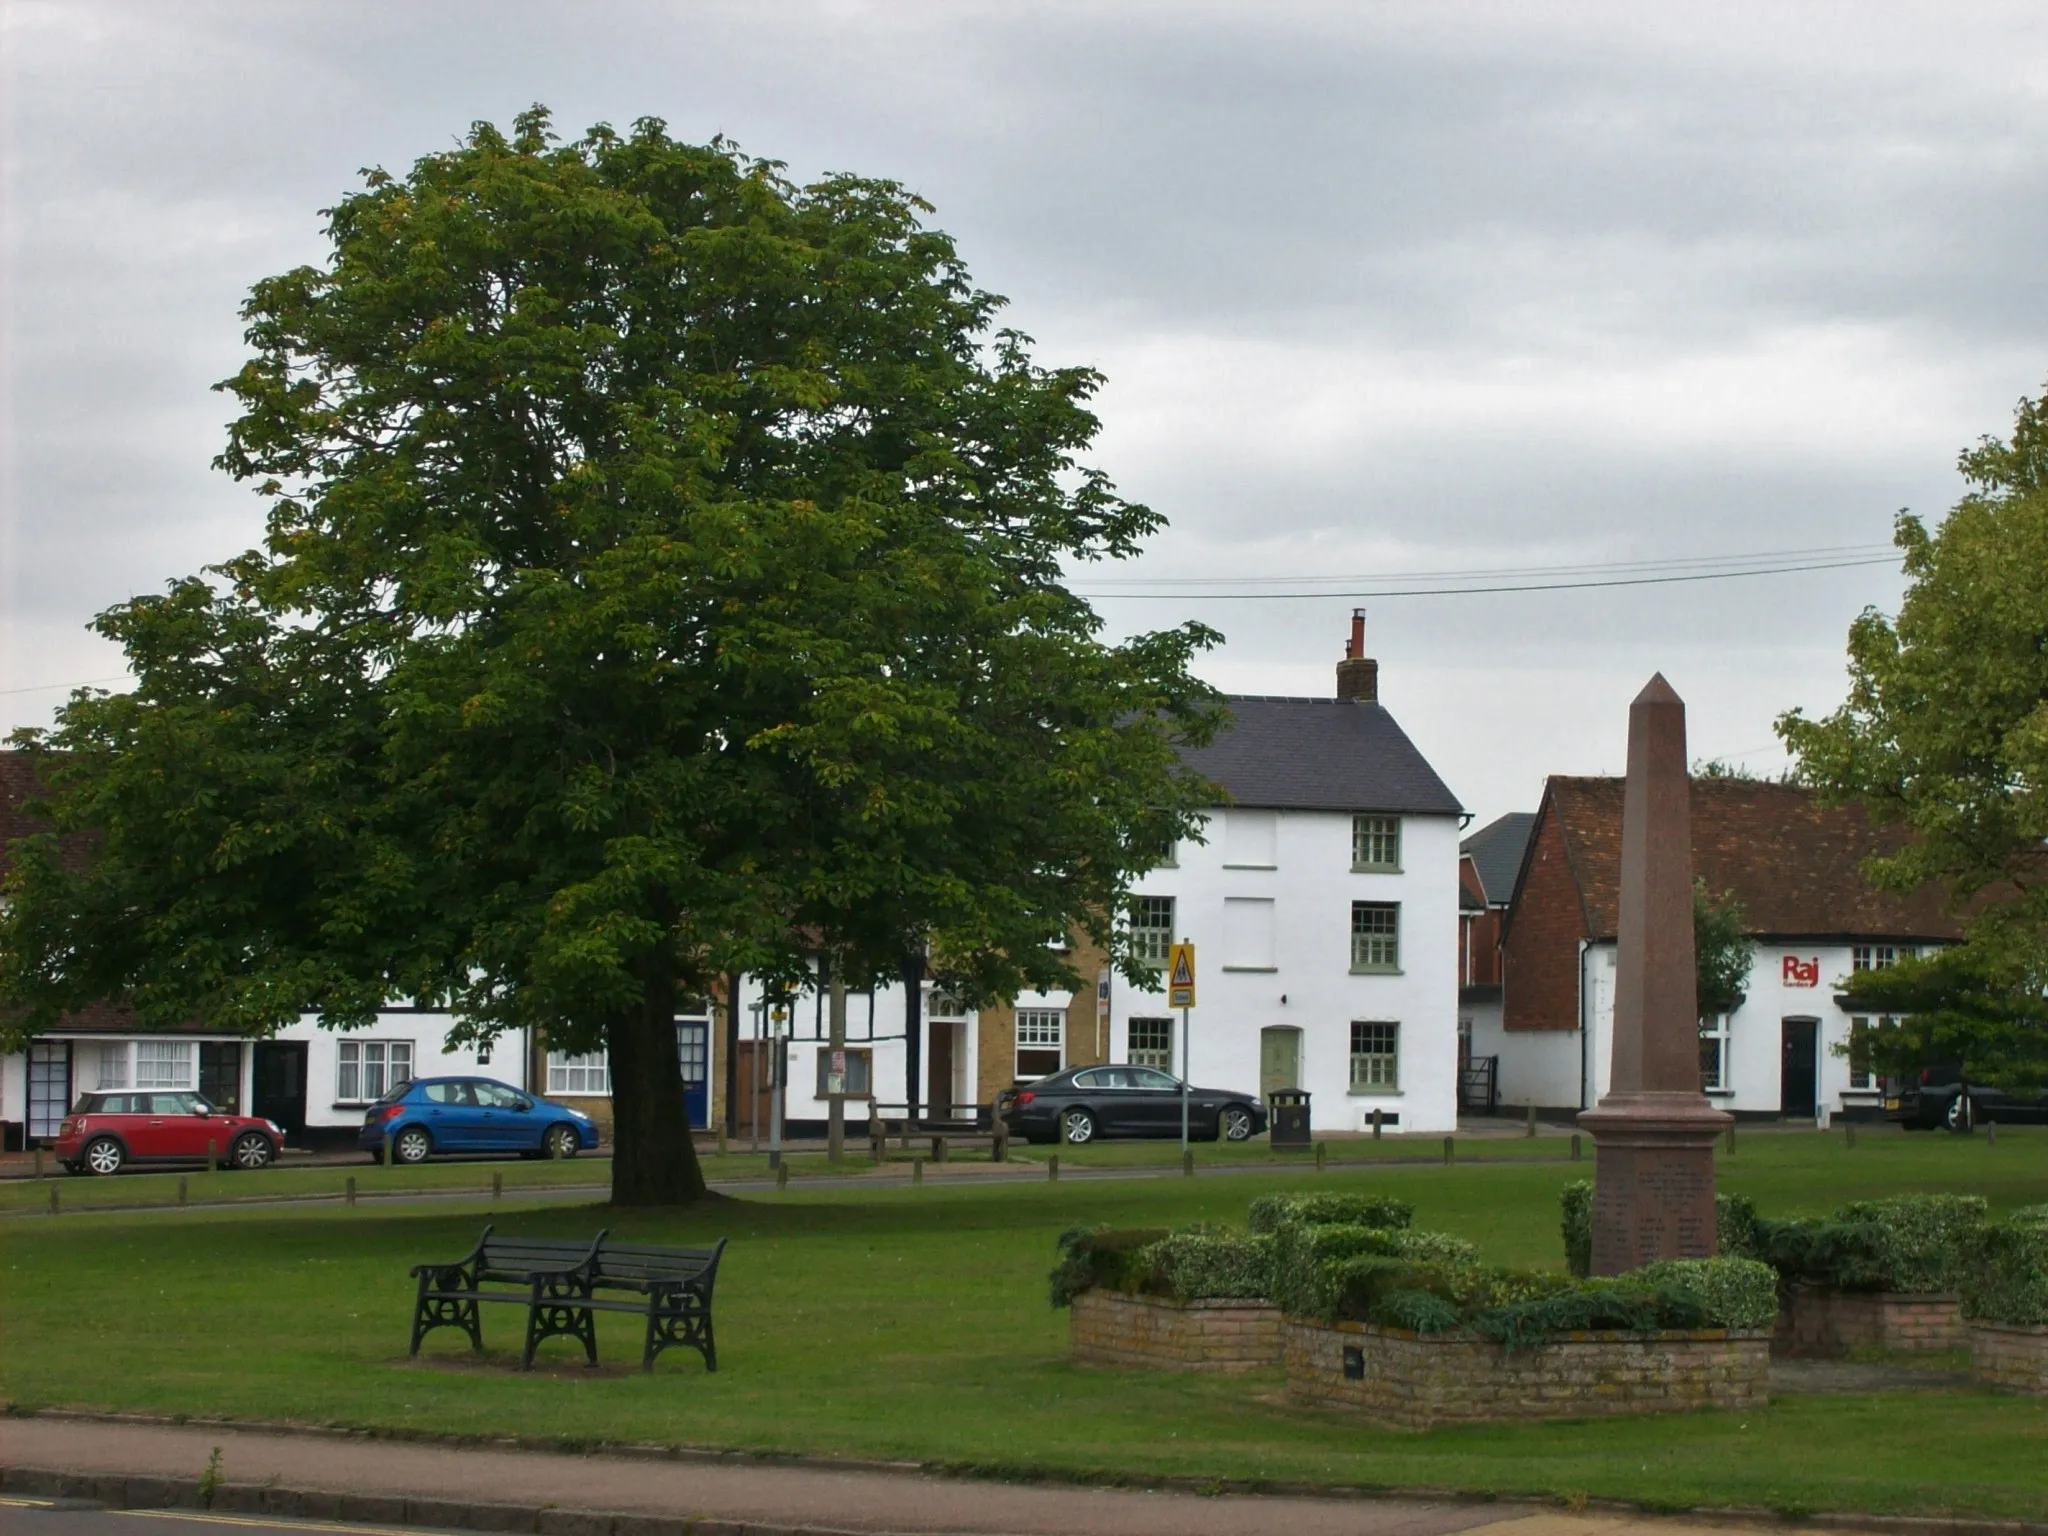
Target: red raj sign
(1801, 973)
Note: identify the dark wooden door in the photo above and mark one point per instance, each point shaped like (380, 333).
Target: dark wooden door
(1799, 1068)
(938, 1091)
(753, 1097)
(278, 1083)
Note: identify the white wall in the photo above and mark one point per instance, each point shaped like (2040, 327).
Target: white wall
(432, 1056)
(1535, 1068)
(883, 1038)
(1309, 985)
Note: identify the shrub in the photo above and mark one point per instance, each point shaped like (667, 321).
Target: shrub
(1306, 1260)
(1734, 1227)
(1734, 1292)
(1270, 1212)
(2007, 1278)
(1098, 1256)
(1591, 1306)
(1198, 1263)
(1577, 1200)
(1906, 1243)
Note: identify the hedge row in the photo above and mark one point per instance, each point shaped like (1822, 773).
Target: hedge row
(1908, 1243)
(2007, 1278)
(1270, 1212)
(1193, 1264)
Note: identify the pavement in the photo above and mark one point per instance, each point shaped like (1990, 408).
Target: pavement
(282, 1481)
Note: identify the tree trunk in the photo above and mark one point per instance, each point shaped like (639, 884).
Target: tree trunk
(654, 1161)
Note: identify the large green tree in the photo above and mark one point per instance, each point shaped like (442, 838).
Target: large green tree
(1945, 731)
(663, 579)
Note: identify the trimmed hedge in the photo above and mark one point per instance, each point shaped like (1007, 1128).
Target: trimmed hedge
(1205, 1263)
(1736, 1292)
(1270, 1212)
(1306, 1259)
(1098, 1256)
(2006, 1280)
(1907, 1243)
(1735, 1231)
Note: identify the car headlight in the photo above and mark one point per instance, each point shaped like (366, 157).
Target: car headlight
(578, 1114)
(275, 1129)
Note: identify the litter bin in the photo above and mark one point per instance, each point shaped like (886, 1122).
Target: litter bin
(1287, 1118)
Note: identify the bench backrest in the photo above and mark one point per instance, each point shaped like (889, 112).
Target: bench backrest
(646, 1261)
(518, 1255)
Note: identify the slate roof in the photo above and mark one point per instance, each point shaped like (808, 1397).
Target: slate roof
(1793, 864)
(1320, 755)
(1496, 853)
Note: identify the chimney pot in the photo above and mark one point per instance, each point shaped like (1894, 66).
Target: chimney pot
(1358, 675)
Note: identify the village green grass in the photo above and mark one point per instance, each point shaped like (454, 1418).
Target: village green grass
(913, 1324)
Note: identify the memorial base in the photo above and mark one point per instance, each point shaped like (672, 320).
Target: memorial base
(1653, 1179)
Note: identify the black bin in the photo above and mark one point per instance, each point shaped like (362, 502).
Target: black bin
(1288, 1118)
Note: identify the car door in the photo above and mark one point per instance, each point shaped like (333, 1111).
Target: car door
(448, 1109)
(129, 1116)
(503, 1125)
(1155, 1101)
(181, 1128)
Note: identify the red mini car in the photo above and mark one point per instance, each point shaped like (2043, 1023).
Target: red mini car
(106, 1131)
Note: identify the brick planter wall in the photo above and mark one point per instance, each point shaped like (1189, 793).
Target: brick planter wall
(1111, 1328)
(2010, 1355)
(1416, 1380)
(1823, 1323)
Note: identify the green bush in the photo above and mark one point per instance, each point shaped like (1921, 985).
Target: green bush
(1200, 1263)
(1270, 1212)
(1734, 1226)
(1734, 1292)
(1906, 1243)
(1577, 1200)
(1098, 1256)
(2006, 1280)
(1306, 1259)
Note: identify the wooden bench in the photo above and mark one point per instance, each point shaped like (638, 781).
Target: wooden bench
(558, 1283)
(943, 1136)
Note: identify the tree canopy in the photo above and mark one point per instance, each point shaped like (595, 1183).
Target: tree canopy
(663, 579)
(1945, 730)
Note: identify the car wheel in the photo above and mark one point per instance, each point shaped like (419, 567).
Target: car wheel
(412, 1145)
(104, 1156)
(1961, 1115)
(1079, 1125)
(1236, 1122)
(562, 1142)
(252, 1151)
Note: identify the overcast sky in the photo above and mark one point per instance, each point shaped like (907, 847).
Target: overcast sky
(1376, 288)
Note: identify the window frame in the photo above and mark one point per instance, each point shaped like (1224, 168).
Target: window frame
(1038, 1045)
(389, 1051)
(563, 1064)
(1716, 1031)
(862, 1054)
(1147, 1055)
(1391, 964)
(1142, 952)
(1373, 1085)
(1366, 825)
(159, 1052)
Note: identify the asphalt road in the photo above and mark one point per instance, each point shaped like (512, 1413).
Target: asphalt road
(34, 1517)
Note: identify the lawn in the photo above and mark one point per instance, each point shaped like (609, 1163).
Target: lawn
(912, 1323)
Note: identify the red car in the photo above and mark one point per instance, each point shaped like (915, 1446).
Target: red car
(106, 1131)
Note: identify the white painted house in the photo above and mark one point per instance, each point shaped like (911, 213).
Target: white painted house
(1323, 906)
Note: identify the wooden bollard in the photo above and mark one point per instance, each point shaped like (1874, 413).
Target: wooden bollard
(1532, 1119)
(1849, 1134)
(390, 1155)
(1450, 1150)
(348, 1190)
(212, 1155)
(1000, 1152)
(39, 1162)
(1576, 1154)
(1187, 1164)
(917, 1170)
(53, 1198)
(497, 1186)
(781, 1175)
(1990, 1133)
(1731, 1138)
(721, 1138)
(1375, 1122)
(1322, 1155)
(1052, 1170)
(181, 1189)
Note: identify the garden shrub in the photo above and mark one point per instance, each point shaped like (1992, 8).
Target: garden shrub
(1305, 1259)
(1622, 1305)
(1735, 1292)
(1734, 1226)
(2006, 1280)
(1905, 1243)
(1204, 1263)
(1270, 1212)
(1098, 1256)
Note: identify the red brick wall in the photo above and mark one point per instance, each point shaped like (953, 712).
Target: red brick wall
(1481, 931)
(1540, 959)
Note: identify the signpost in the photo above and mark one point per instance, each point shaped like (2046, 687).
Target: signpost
(1180, 993)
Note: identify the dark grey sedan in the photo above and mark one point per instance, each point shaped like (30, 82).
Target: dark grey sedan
(1092, 1102)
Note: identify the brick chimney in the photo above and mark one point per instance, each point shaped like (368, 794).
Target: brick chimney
(1358, 675)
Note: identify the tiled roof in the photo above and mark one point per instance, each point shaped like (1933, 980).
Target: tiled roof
(1793, 864)
(1320, 755)
(1496, 852)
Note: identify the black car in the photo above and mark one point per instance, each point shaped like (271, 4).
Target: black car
(1938, 1098)
(1090, 1102)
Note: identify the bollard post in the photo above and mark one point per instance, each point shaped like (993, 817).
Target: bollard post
(348, 1192)
(181, 1189)
(1052, 1169)
(1532, 1119)
(1450, 1150)
(1731, 1138)
(53, 1198)
(917, 1170)
(1990, 1133)
(1322, 1155)
(781, 1175)
(1575, 1147)
(1000, 1152)
(39, 1162)
(497, 1186)
(721, 1138)
(1187, 1164)
(1849, 1134)
(1375, 1123)
(212, 1155)
(390, 1156)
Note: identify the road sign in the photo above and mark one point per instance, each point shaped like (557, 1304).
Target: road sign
(1180, 976)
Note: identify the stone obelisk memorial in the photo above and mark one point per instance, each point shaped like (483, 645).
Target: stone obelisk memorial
(1653, 1133)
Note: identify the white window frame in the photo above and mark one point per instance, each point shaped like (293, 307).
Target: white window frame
(1714, 1031)
(579, 1074)
(1149, 939)
(1376, 1071)
(1142, 1049)
(1374, 951)
(1040, 1029)
(112, 1054)
(376, 1062)
(1878, 957)
(166, 1064)
(1371, 836)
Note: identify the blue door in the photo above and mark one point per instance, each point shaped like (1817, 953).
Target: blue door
(693, 1048)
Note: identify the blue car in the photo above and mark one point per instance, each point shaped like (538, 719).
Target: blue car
(471, 1114)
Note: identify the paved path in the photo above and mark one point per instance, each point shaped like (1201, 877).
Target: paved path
(741, 1492)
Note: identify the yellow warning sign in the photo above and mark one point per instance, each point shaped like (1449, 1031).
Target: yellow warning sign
(1180, 976)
